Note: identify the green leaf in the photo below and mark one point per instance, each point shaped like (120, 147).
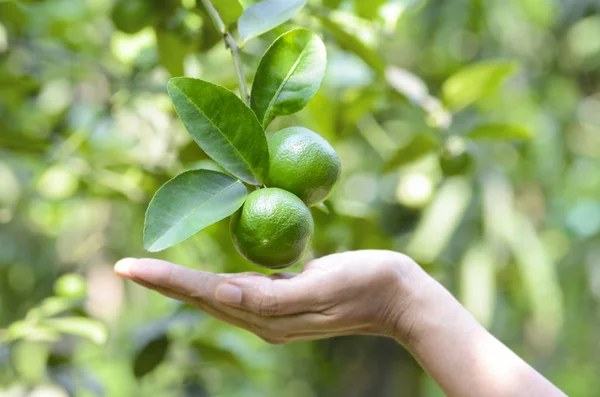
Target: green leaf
(475, 82)
(187, 204)
(350, 42)
(171, 51)
(415, 90)
(150, 356)
(333, 4)
(289, 75)
(500, 132)
(440, 220)
(229, 10)
(456, 164)
(224, 127)
(93, 330)
(216, 355)
(71, 285)
(416, 148)
(355, 107)
(29, 360)
(368, 9)
(29, 331)
(54, 305)
(408, 84)
(266, 15)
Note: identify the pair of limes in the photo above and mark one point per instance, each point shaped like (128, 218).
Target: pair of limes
(274, 226)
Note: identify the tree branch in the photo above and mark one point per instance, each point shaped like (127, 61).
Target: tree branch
(232, 46)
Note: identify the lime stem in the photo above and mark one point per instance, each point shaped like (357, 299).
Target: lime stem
(232, 45)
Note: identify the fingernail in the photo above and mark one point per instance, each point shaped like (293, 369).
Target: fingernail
(122, 266)
(230, 294)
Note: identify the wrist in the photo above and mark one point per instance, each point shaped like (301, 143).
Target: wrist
(418, 304)
(432, 313)
(403, 305)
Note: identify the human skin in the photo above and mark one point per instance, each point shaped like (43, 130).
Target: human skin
(356, 293)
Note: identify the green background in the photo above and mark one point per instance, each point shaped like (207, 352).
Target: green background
(511, 225)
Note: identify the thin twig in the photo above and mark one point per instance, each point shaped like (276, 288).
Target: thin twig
(232, 46)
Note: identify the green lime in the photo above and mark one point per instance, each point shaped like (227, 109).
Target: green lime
(272, 229)
(460, 164)
(70, 285)
(304, 163)
(455, 158)
(131, 16)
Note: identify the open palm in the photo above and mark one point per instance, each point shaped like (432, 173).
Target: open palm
(349, 293)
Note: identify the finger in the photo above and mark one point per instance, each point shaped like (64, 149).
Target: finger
(282, 276)
(185, 281)
(243, 274)
(197, 288)
(274, 276)
(272, 329)
(276, 330)
(212, 311)
(281, 326)
(267, 297)
(166, 292)
(324, 262)
(237, 317)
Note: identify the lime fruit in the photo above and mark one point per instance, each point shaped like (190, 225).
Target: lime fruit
(455, 158)
(71, 285)
(304, 163)
(131, 16)
(454, 165)
(272, 229)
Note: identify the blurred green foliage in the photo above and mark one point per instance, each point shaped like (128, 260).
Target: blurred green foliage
(469, 133)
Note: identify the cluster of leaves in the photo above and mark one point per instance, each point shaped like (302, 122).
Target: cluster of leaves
(230, 132)
(176, 33)
(57, 314)
(56, 318)
(464, 88)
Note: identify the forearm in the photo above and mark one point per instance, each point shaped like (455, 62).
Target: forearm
(461, 356)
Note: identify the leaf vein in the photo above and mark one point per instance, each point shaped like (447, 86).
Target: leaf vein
(284, 82)
(221, 132)
(193, 211)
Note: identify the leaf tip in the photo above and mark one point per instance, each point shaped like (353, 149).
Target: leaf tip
(151, 246)
(173, 81)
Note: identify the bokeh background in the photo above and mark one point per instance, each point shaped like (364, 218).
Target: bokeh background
(469, 133)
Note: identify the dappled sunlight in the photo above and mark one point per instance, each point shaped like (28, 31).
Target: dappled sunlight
(414, 189)
(440, 220)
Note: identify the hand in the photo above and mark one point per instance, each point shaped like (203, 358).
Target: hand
(360, 292)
